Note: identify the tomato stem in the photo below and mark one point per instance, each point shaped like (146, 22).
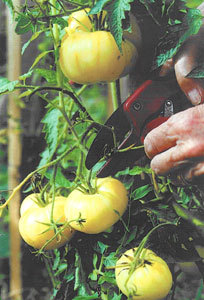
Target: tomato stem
(113, 92)
(50, 164)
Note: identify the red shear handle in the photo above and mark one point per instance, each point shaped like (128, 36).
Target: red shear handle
(151, 125)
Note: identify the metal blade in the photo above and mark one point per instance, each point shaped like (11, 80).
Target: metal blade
(113, 130)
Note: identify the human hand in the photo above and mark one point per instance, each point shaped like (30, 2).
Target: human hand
(177, 142)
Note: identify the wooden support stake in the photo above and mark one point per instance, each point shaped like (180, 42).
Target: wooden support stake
(14, 156)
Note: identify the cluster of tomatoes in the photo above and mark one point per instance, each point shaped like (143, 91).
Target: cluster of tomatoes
(88, 55)
(50, 224)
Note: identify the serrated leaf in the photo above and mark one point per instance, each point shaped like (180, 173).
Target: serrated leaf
(116, 13)
(194, 21)
(49, 75)
(7, 85)
(51, 121)
(24, 24)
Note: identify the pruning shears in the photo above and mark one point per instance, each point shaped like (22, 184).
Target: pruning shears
(117, 141)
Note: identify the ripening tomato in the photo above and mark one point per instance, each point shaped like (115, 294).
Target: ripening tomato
(35, 225)
(99, 210)
(89, 57)
(151, 280)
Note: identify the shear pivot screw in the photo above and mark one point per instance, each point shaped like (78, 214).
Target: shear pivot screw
(137, 106)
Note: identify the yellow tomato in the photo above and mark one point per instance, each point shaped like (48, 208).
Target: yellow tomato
(89, 57)
(151, 280)
(99, 210)
(35, 225)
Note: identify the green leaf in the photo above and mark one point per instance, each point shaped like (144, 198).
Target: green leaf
(51, 122)
(49, 75)
(110, 260)
(60, 180)
(193, 3)
(117, 297)
(95, 296)
(60, 21)
(26, 75)
(33, 37)
(24, 24)
(107, 277)
(39, 57)
(185, 214)
(139, 170)
(98, 7)
(7, 85)
(116, 13)
(194, 22)
(141, 192)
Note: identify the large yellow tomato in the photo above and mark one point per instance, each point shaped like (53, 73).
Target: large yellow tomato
(35, 225)
(99, 210)
(89, 57)
(151, 280)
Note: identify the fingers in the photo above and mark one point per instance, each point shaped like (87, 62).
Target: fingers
(188, 58)
(175, 157)
(184, 64)
(176, 141)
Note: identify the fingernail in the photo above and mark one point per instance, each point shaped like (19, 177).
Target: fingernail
(148, 147)
(194, 96)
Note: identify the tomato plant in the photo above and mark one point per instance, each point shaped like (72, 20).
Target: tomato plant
(109, 198)
(150, 279)
(93, 43)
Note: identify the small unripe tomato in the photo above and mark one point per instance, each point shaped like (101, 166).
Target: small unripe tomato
(35, 225)
(99, 210)
(151, 279)
(90, 57)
